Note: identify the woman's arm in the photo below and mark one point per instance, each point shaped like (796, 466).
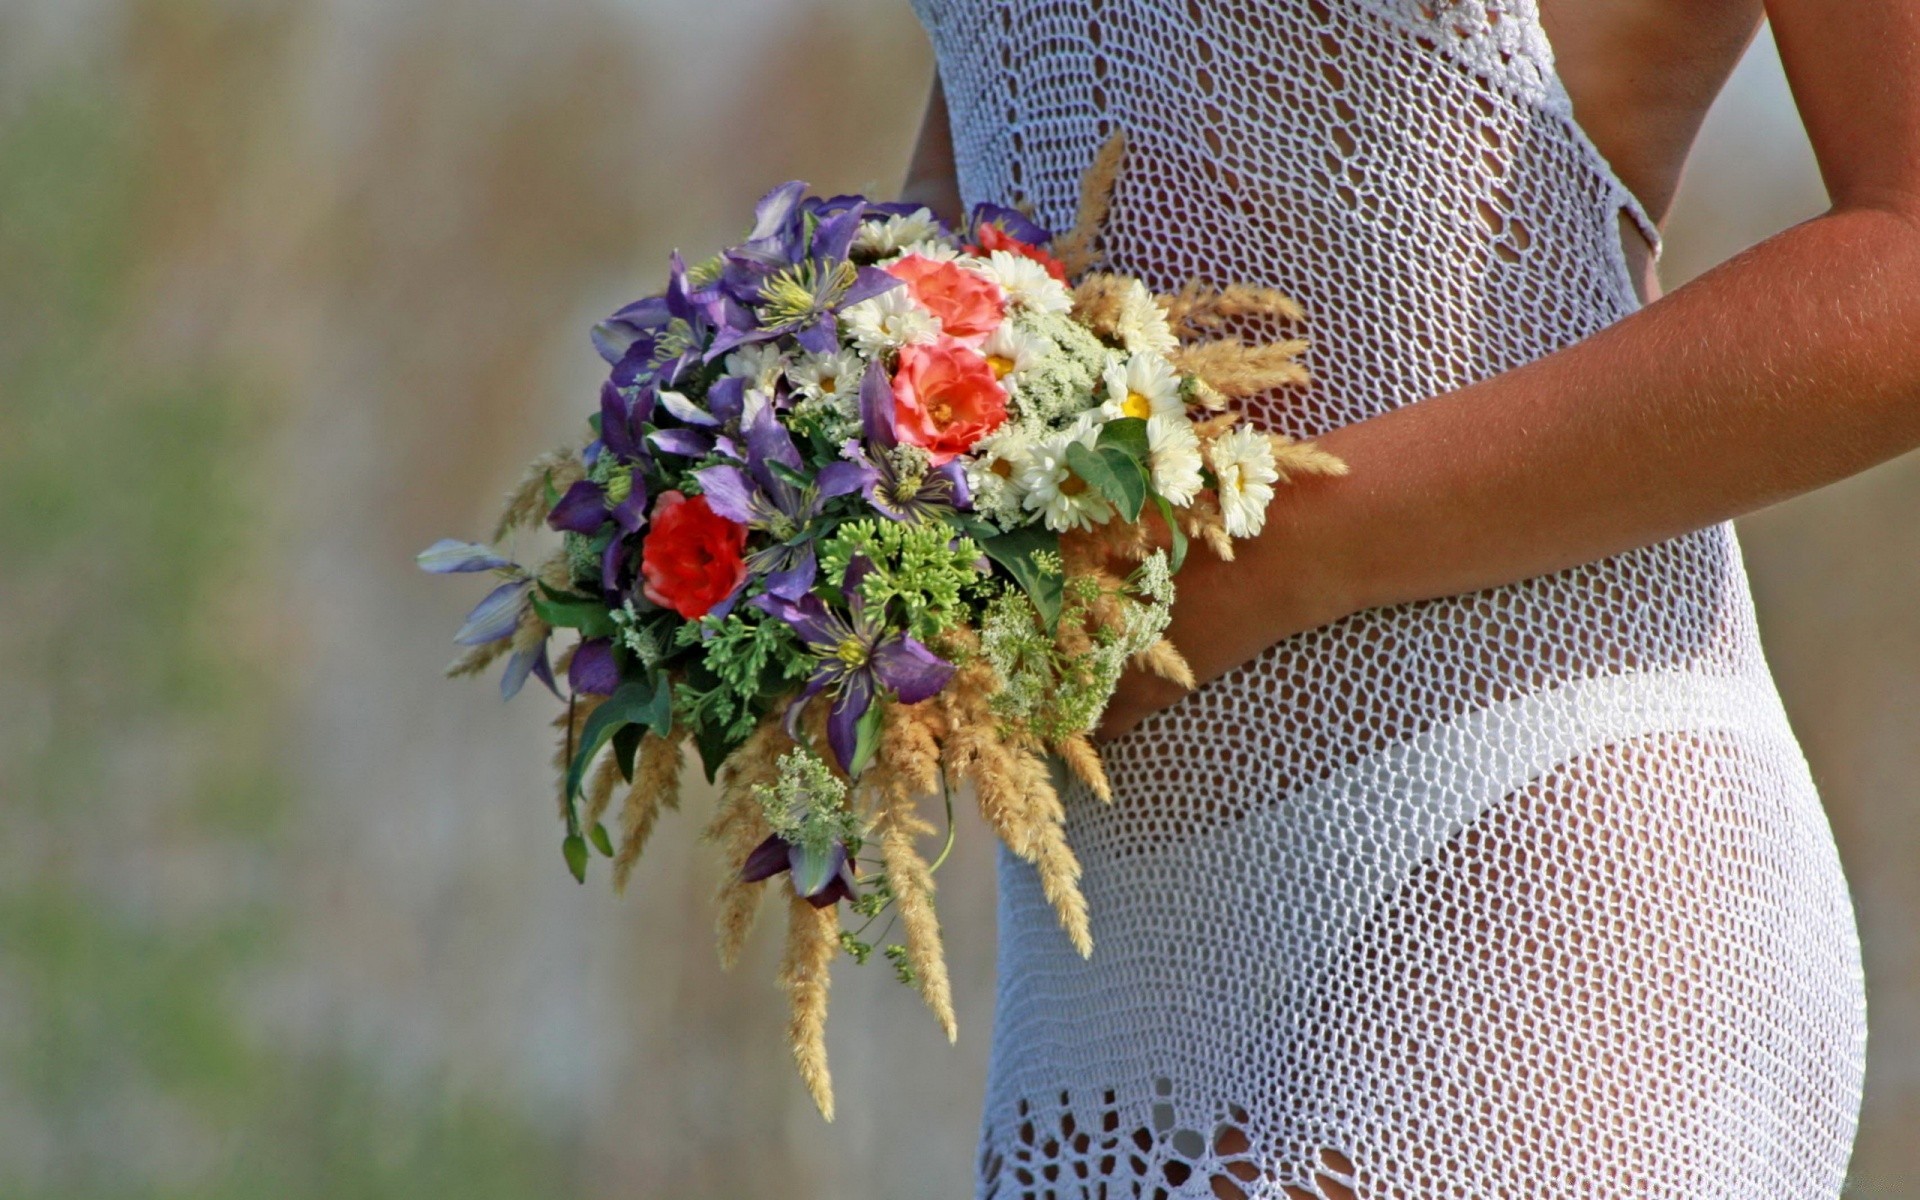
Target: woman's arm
(1794, 364)
(930, 177)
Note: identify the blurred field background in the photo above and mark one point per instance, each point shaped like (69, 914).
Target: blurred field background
(290, 288)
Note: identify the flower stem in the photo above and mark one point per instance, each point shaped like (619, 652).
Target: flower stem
(946, 795)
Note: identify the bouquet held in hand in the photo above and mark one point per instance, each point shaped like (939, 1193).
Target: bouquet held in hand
(874, 508)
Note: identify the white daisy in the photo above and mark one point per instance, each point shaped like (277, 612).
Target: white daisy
(1173, 451)
(1063, 499)
(1142, 385)
(1242, 460)
(932, 248)
(1142, 322)
(896, 232)
(888, 321)
(994, 469)
(832, 376)
(1014, 353)
(759, 363)
(1026, 283)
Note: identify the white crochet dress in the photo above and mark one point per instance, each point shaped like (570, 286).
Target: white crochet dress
(1522, 894)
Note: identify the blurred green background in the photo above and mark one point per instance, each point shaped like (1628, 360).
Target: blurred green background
(290, 288)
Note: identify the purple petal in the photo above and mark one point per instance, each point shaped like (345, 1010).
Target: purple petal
(774, 214)
(520, 664)
(833, 237)
(958, 493)
(842, 478)
(631, 513)
(495, 616)
(812, 872)
(843, 720)
(729, 492)
(594, 670)
(543, 671)
(876, 406)
(859, 566)
(730, 338)
(768, 442)
(582, 510)
(634, 363)
(687, 443)
(685, 409)
(767, 859)
(870, 282)
(1011, 220)
(808, 617)
(611, 560)
(910, 669)
(727, 398)
(821, 337)
(616, 422)
(796, 580)
(450, 556)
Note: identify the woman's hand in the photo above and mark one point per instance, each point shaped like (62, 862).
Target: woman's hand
(1227, 613)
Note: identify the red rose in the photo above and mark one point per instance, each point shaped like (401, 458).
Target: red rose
(968, 306)
(691, 557)
(945, 398)
(992, 238)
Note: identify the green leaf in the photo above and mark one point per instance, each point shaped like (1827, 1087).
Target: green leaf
(1014, 551)
(716, 744)
(1127, 435)
(574, 849)
(1113, 474)
(866, 738)
(640, 702)
(552, 493)
(626, 744)
(601, 841)
(1179, 554)
(972, 526)
(798, 479)
(564, 610)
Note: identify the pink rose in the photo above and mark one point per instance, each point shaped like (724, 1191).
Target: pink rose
(968, 306)
(945, 398)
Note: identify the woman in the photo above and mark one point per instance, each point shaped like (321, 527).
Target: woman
(1483, 862)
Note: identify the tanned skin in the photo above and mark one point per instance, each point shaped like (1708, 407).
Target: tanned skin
(1788, 367)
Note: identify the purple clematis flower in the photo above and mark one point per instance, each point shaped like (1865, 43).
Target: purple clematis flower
(858, 657)
(769, 497)
(793, 273)
(498, 614)
(820, 880)
(658, 337)
(898, 494)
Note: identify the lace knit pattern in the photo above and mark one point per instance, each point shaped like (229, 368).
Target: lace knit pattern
(1522, 893)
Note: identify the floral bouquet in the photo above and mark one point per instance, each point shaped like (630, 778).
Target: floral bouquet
(873, 506)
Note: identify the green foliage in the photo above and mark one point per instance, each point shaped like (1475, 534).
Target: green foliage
(1032, 556)
(922, 566)
(749, 661)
